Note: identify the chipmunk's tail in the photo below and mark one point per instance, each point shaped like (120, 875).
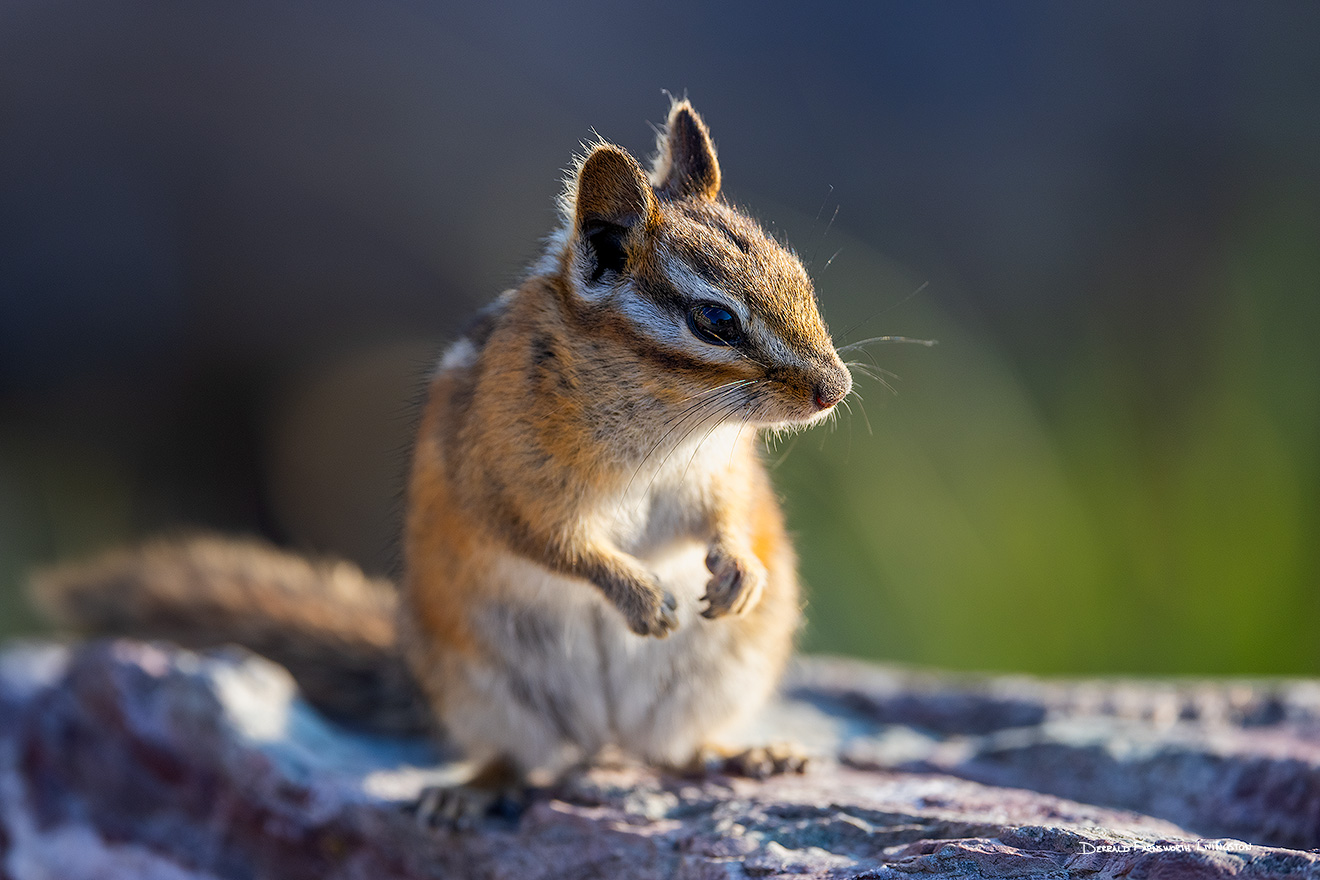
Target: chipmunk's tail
(330, 625)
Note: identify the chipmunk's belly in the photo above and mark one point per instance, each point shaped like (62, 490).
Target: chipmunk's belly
(585, 679)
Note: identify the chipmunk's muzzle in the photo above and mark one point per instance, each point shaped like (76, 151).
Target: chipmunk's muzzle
(833, 387)
(812, 392)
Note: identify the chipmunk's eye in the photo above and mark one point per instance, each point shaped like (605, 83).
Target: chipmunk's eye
(714, 324)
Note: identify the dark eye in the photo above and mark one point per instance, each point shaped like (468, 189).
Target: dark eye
(714, 324)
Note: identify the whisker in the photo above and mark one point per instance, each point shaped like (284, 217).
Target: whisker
(870, 369)
(888, 387)
(712, 390)
(717, 418)
(709, 396)
(709, 431)
(823, 203)
(867, 371)
(687, 432)
(870, 372)
(847, 452)
(724, 404)
(887, 308)
(782, 458)
(699, 399)
(829, 225)
(910, 339)
(862, 406)
(738, 437)
(746, 356)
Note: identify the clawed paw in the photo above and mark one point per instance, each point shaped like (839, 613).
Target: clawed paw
(656, 614)
(736, 582)
(757, 762)
(463, 806)
(496, 790)
(649, 609)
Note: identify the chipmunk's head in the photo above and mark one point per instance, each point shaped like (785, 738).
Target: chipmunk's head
(660, 264)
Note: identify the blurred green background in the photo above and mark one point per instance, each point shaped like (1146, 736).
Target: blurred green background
(232, 239)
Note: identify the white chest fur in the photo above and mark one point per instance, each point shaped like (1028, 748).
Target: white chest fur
(590, 682)
(563, 676)
(655, 505)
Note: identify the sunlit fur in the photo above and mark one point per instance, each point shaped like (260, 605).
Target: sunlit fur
(584, 460)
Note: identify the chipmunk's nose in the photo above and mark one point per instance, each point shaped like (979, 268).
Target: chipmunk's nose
(833, 388)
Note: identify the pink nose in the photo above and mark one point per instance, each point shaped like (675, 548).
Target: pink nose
(831, 392)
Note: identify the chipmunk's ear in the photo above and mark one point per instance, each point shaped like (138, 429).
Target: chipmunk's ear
(612, 199)
(685, 164)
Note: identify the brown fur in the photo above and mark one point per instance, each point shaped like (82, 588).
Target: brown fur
(595, 557)
(567, 412)
(331, 626)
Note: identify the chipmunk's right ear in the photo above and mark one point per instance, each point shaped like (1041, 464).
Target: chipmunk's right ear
(685, 164)
(612, 201)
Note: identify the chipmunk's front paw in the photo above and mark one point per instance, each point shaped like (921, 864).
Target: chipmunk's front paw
(649, 610)
(736, 582)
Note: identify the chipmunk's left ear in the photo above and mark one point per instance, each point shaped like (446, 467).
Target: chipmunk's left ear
(685, 164)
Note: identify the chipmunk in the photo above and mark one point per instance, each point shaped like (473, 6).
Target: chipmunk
(594, 556)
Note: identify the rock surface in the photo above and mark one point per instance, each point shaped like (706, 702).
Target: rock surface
(127, 760)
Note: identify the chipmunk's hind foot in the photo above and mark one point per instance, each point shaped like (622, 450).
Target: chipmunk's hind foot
(497, 791)
(757, 762)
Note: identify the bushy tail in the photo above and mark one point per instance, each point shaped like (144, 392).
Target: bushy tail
(330, 625)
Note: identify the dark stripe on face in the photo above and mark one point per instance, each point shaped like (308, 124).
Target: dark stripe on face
(609, 328)
(710, 262)
(548, 368)
(707, 266)
(543, 350)
(673, 360)
(739, 242)
(668, 298)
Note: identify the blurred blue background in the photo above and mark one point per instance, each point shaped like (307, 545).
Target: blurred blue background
(233, 236)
